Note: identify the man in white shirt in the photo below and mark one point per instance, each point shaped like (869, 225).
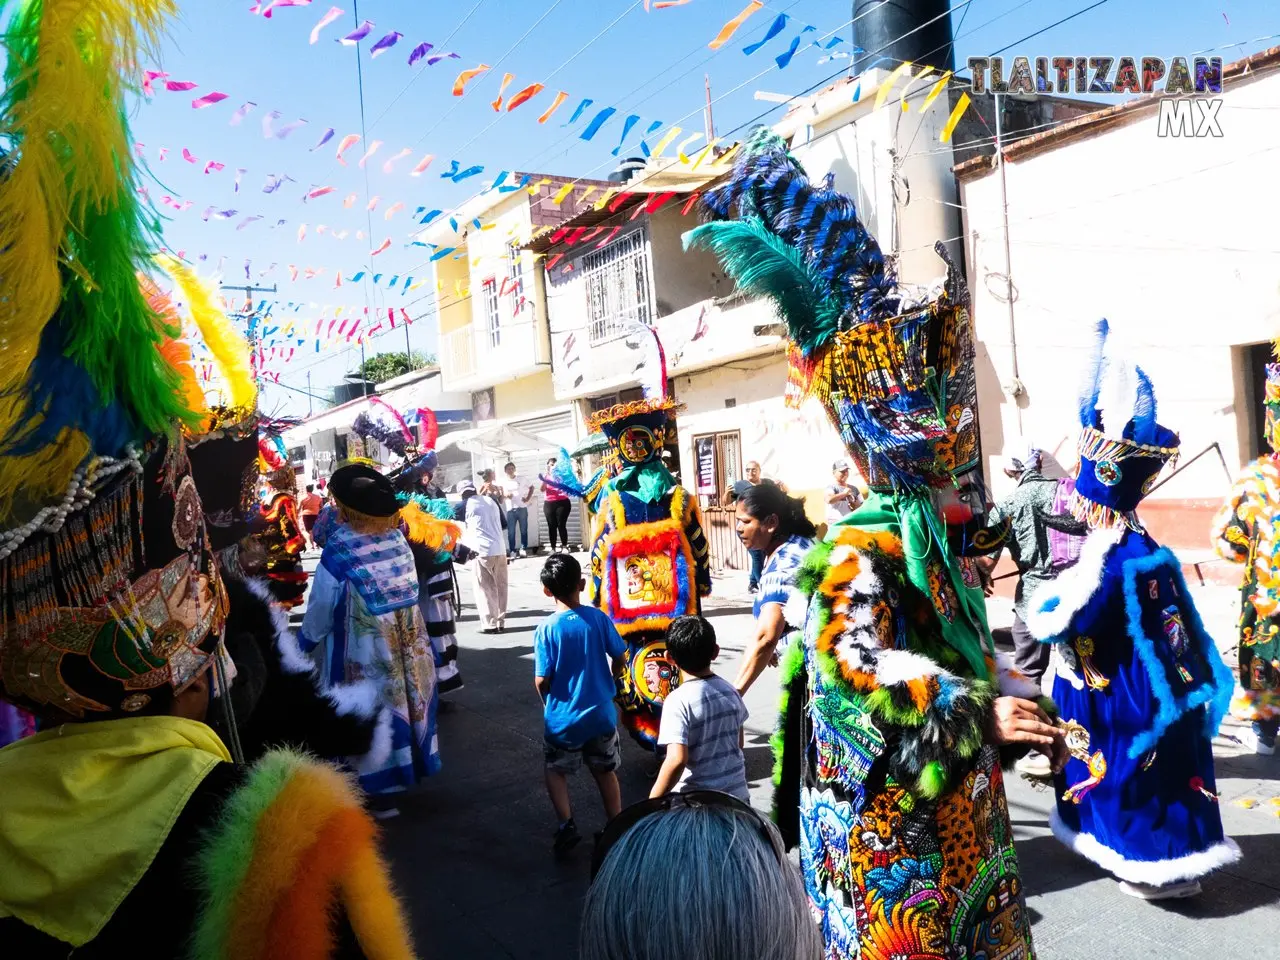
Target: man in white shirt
(842, 498)
(518, 493)
(483, 534)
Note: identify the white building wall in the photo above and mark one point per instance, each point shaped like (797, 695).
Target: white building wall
(1172, 240)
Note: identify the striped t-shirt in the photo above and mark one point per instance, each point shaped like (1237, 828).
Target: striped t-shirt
(706, 715)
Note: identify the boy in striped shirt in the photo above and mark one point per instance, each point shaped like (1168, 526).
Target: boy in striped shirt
(701, 719)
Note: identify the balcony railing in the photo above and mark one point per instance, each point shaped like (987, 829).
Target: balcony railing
(472, 357)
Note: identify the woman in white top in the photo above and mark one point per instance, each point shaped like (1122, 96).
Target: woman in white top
(489, 569)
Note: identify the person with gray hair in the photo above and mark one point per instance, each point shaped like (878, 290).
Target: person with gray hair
(695, 876)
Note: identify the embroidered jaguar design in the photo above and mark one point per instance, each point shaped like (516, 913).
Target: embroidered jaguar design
(876, 839)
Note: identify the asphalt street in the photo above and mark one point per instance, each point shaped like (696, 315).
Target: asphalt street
(472, 856)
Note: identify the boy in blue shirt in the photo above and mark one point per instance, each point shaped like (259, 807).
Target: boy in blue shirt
(572, 650)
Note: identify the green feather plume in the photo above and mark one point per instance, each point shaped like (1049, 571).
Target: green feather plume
(764, 265)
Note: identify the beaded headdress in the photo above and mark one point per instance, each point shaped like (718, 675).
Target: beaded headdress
(895, 378)
(110, 602)
(1122, 448)
(638, 430)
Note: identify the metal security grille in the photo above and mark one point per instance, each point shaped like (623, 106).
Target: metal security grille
(617, 279)
(492, 320)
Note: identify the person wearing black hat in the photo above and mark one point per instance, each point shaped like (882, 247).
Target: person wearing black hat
(363, 621)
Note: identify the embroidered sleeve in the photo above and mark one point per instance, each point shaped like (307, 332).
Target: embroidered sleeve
(697, 538)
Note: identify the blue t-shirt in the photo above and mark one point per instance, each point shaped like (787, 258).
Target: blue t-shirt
(778, 580)
(573, 649)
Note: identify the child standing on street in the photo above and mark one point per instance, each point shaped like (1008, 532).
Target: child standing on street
(701, 719)
(572, 651)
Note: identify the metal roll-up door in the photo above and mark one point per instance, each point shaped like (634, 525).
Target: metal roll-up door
(557, 428)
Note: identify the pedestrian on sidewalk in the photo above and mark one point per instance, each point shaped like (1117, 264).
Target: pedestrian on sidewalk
(308, 510)
(517, 494)
(555, 507)
(483, 536)
(702, 719)
(842, 497)
(775, 524)
(577, 652)
(733, 495)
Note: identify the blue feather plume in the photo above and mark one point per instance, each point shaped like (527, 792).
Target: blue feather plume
(563, 478)
(1144, 411)
(1092, 383)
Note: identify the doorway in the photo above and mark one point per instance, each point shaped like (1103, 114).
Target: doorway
(717, 466)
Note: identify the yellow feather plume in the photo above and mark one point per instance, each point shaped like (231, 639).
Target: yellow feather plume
(427, 530)
(230, 350)
(73, 154)
(176, 353)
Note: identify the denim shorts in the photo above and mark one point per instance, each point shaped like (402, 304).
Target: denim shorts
(601, 754)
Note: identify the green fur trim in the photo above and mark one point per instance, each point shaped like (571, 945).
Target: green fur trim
(932, 782)
(790, 667)
(1049, 707)
(228, 847)
(880, 703)
(813, 569)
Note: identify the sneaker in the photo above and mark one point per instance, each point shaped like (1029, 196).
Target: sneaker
(1253, 739)
(753, 588)
(566, 838)
(1035, 765)
(1170, 891)
(523, 554)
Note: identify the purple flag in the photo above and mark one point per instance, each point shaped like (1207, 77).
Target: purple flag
(432, 61)
(385, 44)
(356, 35)
(420, 51)
(242, 112)
(328, 135)
(288, 128)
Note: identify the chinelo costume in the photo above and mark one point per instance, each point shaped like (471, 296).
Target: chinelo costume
(649, 559)
(885, 771)
(127, 830)
(363, 623)
(1140, 685)
(1246, 530)
(281, 534)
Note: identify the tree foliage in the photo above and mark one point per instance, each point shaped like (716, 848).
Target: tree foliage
(388, 366)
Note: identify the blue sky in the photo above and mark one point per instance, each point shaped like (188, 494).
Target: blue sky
(611, 51)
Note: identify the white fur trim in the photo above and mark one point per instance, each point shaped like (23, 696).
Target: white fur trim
(292, 659)
(380, 749)
(1013, 682)
(899, 666)
(796, 609)
(360, 698)
(1058, 667)
(1073, 587)
(1156, 873)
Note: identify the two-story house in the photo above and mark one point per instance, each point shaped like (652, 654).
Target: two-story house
(494, 341)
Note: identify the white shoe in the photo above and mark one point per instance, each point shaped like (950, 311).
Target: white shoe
(1035, 765)
(1170, 891)
(523, 554)
(1250, 740)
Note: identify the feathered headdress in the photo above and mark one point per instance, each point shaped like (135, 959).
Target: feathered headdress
(897, 382)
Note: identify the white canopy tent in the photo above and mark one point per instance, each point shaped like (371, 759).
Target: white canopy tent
(496, 438)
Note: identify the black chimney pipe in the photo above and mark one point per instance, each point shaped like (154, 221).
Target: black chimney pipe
(886, 36)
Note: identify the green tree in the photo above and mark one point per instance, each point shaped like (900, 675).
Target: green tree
(388, 366)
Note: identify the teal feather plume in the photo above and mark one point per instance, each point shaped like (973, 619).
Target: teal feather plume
(764, 265)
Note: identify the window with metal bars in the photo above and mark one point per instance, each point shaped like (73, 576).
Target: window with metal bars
(617, 279)
(492, 321)
(515, 278)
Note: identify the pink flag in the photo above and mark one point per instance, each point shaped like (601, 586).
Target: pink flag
(422, 165)
(148, 76)
(321, 229)
(208, 100)
(242, 112)
(213, 166)
(179, 86)
(351, 199)
(302, 233)
(188, 156)
(373, 148)
(319, 192)
(293, 272)
(333, 14)
(266, 11)
(391, 210)
(373, 204)
(390, 164)
(386, 244)
(359, 234)
(356, 35)
(349, 141)
(385, 44)
(137, 149)
(164, 152)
